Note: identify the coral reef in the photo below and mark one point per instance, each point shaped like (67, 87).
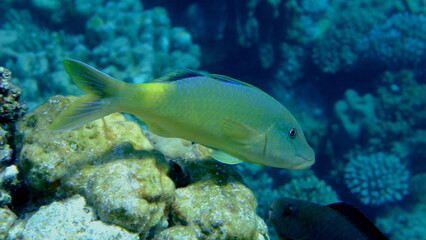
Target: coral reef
(7, 219)
(177, 233)
(400, 41)
(260, 182)
(418, 187)
(289, 68)
(216, 204)
(70, 219)
(36, 56)
(377, 178)
(390, 119)
(340, 46)
(356, 113)
(401, 223)
(5, 151)
(132, 192)
(401, 103)
(309, 188)
(361, 60)
(9, 177)
(307, 20)
(10, 109)
(131, 44)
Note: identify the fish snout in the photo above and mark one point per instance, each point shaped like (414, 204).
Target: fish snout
(304, 159)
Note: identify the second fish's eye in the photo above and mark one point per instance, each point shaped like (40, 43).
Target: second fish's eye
(293, 132)
(289, 210)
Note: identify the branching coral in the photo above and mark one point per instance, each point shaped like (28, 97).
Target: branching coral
(309, 188)
(400, 41)
(377, 178)
(340, 47)
(401, 104)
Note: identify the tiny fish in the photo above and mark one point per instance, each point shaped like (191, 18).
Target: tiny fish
(297, 219)
(237, 120)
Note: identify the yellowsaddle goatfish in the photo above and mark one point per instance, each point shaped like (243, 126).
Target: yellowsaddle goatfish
(237, 120)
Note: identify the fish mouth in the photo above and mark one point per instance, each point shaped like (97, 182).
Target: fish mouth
(302, 162)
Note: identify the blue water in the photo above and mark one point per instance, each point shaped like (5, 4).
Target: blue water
(352, 73)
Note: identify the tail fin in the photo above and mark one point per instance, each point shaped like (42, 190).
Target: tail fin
(98, 102)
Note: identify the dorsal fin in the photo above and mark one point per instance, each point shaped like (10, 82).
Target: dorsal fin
(357, 218)
(230, 80)
(178, 74)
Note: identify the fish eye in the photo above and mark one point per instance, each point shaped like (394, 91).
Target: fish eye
(292, 132)
(289, 210)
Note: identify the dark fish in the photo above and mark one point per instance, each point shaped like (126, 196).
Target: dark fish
(302, 220)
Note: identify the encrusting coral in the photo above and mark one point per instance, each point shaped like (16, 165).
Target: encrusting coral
(132, 192)
(216, 204)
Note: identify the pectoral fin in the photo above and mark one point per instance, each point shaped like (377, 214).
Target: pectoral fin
(240, 132)
(224, 157)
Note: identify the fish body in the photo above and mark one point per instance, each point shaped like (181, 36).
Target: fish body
(237, 120)
(297, 219)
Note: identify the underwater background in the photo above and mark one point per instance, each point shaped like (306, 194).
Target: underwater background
(351, 72)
